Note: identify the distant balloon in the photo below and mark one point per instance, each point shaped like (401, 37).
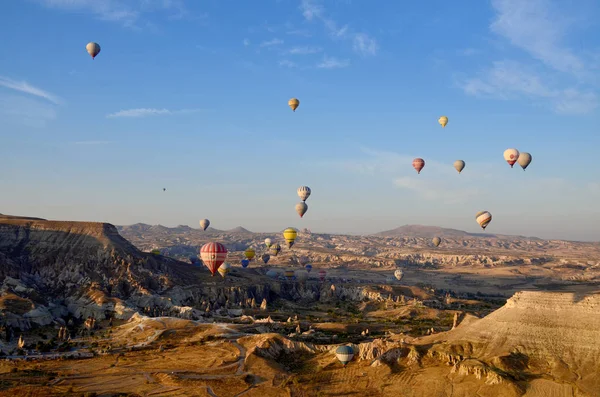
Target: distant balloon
(268, 242)
(443, 121)
(436, 241)
(245, 263)
(290, 235)
(275, 249)
(249, 253)
(204, 224)
(308, 267)
(344, 354)
(93, 49)
(322, 274)
(265, 258)
(483, 218)
(213, 255)
(272, 273)
(164, 189)
(155, 252)
(418, 164)
(301, 208)
(524, 159)
(459, 165)
(511, 156)
(289, 274)
(224, 269)
(301, 275)
(304, 192)
(294, 103)
(398, 274)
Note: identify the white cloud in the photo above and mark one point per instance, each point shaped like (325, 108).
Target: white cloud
(333, 63)
(364, 45)
(127, 12)
(313, 10)
(538, 28)
(271, 43)
(26, 88)
(305, 50)
(286, 63)
(145, 112)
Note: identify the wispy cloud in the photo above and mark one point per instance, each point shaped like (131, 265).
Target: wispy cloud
(246, 42)
(126, 12)
(26, 110)
(146, 112)
(287, 63)
(555, 74)
(26, 88)
(271, 43)
(363, 44)
(333, 63)
(306, 50)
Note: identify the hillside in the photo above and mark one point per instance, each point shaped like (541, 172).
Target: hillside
(436, 231)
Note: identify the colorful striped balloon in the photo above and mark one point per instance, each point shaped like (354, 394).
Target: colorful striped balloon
(213, 255)
(418, 164)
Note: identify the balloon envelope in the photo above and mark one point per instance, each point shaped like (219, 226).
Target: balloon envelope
(443, 121)
(290, 235)
(459, 165)
(344, 354)
(511, 156)
(213, 255)
(303, 192)
(418, 164)
(398, 274)
(265, 258)
(483, 218)
(204, 224)
(524, 160)
(249, 253)
(93, 49)
(245, 263)
(436, 241)
(308, 267)
(301, 208)
(294, 103)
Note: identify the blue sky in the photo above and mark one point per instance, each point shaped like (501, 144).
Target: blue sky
(192, 96)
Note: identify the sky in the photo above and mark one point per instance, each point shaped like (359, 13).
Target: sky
(192, 96)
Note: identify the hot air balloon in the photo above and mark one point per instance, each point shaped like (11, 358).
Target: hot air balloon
(93, 49)
(224, 269)
(290, 235)
(303, 192)
(289, 274)
(511, 156)
(443, 121)
(204, 224)
(418, 164)
(265, 258)
(245, 263)
(398, 274)
(459, 165)
(249, 253)
(294, 103)
(275, 249)
(301, 208)
(164, 189)
(155, 252)
(268, 242)
(301, 275)
(213, 255)
(272, 273)
(436, 241)
(524, 160)
(308, 267)
(344, 354)
(322, 274)
(483, 218)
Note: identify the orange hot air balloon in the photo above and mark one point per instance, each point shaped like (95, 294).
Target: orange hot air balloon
(418, 164)
(213, 255)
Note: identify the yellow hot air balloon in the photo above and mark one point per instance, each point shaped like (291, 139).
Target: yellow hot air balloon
(483, 218)
(290, 235)
(224, 269)
(294, 103)
(249, 253)
(93, 49)
(443, 121)
(155, 252)
(459, 165)
(436, 241)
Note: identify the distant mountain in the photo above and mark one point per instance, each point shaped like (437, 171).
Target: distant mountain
(239, 229)
(433, 231)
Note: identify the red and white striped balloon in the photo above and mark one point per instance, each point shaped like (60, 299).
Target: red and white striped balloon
(213, 255)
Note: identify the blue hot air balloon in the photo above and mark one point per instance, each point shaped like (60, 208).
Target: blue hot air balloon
(245, 263)
(344, 354)
(308, 267)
